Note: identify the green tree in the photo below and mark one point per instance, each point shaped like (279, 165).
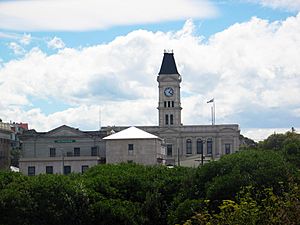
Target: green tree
(273, 142)
(224, 178)
(250, 208)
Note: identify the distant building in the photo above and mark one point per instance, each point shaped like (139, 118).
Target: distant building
(17, 129)
(62, 150)
(185, 142)
(5, 145)
(134, 145)
(16, 144)
(66, 149)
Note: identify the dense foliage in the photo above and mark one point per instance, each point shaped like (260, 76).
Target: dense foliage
(287, 144)
(249, 187)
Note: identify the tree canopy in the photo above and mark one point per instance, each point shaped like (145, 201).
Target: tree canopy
(256, 186)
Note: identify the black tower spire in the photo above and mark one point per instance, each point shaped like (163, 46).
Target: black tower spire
(168, 65)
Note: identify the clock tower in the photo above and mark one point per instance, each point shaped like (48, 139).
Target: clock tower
(169, 105)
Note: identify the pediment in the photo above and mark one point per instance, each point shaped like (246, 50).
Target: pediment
(168, 130)
(65, 131)
(227, 130)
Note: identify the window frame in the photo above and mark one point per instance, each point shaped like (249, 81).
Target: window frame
(169, 150)
(47, 169)
(76, 151)
(189, 146)
(209, 146)
(227, 150)
(52, 152)
(66, 172)
(94, 151)
(84, 168)
(29, 172)
(200, 146)
(130, 149)
(171, 119)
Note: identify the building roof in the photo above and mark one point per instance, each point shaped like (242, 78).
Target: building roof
(168, 65)
(131, 133)
(56, 132)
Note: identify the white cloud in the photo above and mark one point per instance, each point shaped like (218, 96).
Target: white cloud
(291, 5)
(17, 49)
(97, 14)
(8, 35)
(251, 69)
(25, 39)
(259, 134)
(56, 43)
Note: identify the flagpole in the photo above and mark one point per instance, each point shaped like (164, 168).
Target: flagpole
(214, 112)
(212, 115)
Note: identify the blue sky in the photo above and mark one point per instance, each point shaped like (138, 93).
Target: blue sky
(63, 62)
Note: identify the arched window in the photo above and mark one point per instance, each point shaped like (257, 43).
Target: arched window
(188, 146)
(209, 146)
(199, 146)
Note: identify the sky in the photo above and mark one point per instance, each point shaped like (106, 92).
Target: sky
(92, 63)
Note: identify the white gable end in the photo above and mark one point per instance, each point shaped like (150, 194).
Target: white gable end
(131, 133)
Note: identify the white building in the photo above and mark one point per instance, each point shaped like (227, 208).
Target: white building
(66, 149)
(185, 142)
(134, 145)
(62, 150)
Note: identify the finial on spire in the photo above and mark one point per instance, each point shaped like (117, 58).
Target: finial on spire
(168, 65)
(168, 51)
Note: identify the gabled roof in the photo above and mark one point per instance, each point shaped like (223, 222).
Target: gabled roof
(64, 131)
(168, 65)
(131, 133)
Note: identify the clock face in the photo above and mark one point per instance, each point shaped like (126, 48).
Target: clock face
(169, 91)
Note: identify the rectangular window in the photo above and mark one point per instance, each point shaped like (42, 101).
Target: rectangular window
(172, 104)
(209, 146)
(67, 170)
(52, 152)
(31, 170)
(169, 104)
(167, 119)
(69, 154)
(130, 149)
(94, 151)
(189, 147)
(76, 151)
(199, 146)
(169, 150)
(84, 168)
(171, 119)
(130, 146)
(165, 104)
(227, 148)
(49, 169)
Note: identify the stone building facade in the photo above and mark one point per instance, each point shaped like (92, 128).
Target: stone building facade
(185, 142)
(66, 149)
(62, 150)
(134, 145)
(5, 145)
